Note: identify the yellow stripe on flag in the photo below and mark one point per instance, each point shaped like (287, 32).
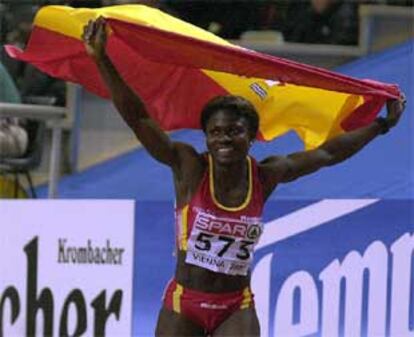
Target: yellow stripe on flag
(285, 107)
(163, 59)
(70, 21)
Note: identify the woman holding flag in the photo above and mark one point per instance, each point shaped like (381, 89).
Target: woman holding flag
(219, 199)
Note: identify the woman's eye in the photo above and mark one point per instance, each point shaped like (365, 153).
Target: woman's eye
(214, 132)
(234, 132)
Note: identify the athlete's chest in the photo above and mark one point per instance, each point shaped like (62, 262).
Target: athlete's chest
(220, 237)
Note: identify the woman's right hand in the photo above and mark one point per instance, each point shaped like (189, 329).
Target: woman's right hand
(94, 37)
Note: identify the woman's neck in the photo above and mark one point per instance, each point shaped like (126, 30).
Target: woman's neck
(230, 176)
(230, 185)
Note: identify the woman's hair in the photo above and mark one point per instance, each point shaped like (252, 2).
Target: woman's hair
(236, 105)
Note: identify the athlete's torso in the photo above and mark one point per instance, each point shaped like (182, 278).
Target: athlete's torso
(215, 243)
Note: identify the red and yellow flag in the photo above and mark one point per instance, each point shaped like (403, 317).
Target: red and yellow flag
(177, 67)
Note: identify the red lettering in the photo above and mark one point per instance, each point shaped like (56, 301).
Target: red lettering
(215, 225)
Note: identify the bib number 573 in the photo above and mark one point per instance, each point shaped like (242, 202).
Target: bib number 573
(203, 243)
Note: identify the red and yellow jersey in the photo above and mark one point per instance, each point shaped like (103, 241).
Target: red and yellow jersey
(217, 237)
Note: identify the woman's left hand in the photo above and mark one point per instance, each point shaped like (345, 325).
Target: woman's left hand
(395, 108)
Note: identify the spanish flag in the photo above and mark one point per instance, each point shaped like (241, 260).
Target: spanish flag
(176, 68)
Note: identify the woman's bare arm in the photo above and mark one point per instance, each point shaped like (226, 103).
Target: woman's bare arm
(130, 105)
(279, 169)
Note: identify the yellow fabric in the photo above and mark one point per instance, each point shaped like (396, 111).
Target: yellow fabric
(178, 292)
(184, 228)
(314, 114)
(247, 299)
(70, 21)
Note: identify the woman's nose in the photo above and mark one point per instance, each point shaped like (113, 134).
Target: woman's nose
(224, 137)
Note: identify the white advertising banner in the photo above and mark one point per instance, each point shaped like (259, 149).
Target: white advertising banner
(66, 268)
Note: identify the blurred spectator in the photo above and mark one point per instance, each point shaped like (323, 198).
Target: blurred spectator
(29, 80)
(270, 15)
(36, 83)
(226, 18)
(84, 3)
(152, 3)
(388, 2)
(13, 136)
(22, 10)
(400, 2)
(322, 21)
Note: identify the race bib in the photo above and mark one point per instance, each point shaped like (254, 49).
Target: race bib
(223, 245)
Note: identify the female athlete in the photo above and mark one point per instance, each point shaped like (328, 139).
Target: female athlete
(219, 199)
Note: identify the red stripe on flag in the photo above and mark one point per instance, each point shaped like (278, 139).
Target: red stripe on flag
(174, 95)
(167, 47)
(62, 57)
(364, 114)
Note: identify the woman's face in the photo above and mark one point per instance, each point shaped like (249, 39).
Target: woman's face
(228, 137)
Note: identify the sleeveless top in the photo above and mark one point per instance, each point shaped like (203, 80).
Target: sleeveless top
(216, 237)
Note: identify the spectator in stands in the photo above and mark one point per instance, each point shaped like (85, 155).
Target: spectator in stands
(162, 5)
(13, 136)
(85, 3)
(400, 2)
(36, 84)
(322, 21)
(270, 15)
(226, 18)
(29, 80)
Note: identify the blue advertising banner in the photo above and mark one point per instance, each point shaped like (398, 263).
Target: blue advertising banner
(336, 268)
(322, 268)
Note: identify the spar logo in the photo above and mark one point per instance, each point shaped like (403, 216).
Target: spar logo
(225, 226)
(359, 294)
(105, 307)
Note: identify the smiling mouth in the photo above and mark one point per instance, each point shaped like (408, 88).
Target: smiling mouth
(225, 150)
